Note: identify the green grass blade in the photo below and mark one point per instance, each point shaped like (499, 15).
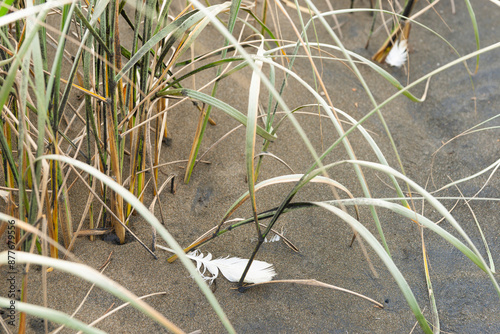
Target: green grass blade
(180, 25)
(476, 30)
(439, 207)
(20, 14)
(280, 180)
(176, 81)
(426, 222)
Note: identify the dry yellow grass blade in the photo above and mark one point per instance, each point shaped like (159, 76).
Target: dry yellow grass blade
(88, 92)
(117, 200)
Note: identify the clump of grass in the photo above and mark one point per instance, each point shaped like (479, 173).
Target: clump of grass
(115, 134)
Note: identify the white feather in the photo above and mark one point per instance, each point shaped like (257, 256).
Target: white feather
(232, 268)
(398, 54)
(274, 238)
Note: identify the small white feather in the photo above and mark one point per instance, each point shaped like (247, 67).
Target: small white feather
(398, 54)
(274, 238)
(232, 268)
(5, 195)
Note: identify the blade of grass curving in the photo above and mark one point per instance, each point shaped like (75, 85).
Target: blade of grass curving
(212, 53)
(93, 276)
(476, 30)
(346, 11)
(378, 69)
(176, 81)
(416, 82)
(82, 302)
(297, 178)
(217, 231)
(278, 98)
(280, 180)
(189, 38)
(268, 154)
(358, 171)
(50, 314)
(205, 98)
(424, 221)
(339, 129)
(473, 255)
(411, 19)
(402, 210)
(99, 8)
(264, 27)
(153, 221)
(493, 166)
(115, 216)
(487, 248)
(423, 78)
(439, 207)
(337, 125)
(29, 11)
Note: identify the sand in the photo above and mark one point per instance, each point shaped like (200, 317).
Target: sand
(465, 297)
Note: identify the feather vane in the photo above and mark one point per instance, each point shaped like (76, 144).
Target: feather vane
(232, 268)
